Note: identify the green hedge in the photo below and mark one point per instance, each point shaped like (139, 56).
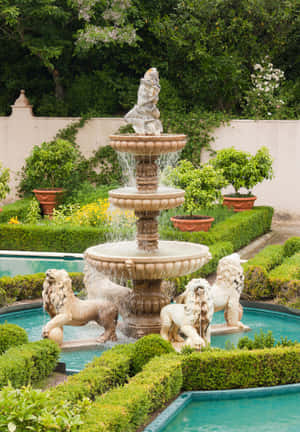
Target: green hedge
(11, 335)
(241, 368)
(28, 363)
(29, 287)
(291, 246)
(111, 369)
(218, 251)
(128, 407)
(256, 270)
(50, 238)
(239, 229)
(19, 208)
(285, 279)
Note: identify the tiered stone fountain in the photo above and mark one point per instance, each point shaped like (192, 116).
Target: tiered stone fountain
(146, 261)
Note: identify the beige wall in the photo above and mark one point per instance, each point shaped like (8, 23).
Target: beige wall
(282, 138)
(21, 131)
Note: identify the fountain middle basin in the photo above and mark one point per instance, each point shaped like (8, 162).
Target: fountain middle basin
(124, 260)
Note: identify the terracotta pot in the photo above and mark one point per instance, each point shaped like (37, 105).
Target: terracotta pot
(48, 198)
(192, 223)
(239, 203)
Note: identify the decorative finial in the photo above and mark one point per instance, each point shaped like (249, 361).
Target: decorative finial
(144, 116)
(22, 101)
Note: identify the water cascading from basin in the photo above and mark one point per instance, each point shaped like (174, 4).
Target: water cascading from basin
(146, 261)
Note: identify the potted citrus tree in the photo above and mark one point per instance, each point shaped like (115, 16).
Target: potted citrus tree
(242, 170)
(202, 190)
(50, 170)
(4, 179)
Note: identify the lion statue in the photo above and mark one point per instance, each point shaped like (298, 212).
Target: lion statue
(227, 289)
(65, 308)
(191, 317)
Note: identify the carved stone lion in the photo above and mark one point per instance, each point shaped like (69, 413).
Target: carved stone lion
(227, 289)
(192, 316)
(65, 308)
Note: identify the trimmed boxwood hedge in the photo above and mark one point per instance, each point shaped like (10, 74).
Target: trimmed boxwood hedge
(29, 287)
(19, 208)
(28, 363)
(127, 408)
(291, 246)
(11, 335)
(285, 279)
(239, 229)
(222, 370)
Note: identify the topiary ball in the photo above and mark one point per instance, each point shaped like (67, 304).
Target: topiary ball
(148, 347)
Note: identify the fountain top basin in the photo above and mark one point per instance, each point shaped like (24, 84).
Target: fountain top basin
(123, 260)
(141, 145)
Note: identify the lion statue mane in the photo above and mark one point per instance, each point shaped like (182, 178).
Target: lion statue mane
(65, 308)
(191, 316)
(227, 289)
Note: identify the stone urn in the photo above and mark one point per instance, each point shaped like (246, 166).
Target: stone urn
(239, 203)
(49, 199)
(192, 223)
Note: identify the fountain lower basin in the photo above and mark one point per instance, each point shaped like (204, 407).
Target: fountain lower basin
(123, 260)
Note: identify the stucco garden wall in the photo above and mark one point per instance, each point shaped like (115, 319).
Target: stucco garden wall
(21, 131)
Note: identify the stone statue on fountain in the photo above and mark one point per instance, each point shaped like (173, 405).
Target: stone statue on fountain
(144, 116)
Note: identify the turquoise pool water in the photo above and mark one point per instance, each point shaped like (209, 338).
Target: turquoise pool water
(254, 410)
(13, 265)
(33, 321)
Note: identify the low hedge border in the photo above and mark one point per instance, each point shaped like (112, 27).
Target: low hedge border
(127, 408)
(17, 209)
(11, 335)
(241, 368)
(239, 229)
(274, 272)
(27, 287)
(28, 363)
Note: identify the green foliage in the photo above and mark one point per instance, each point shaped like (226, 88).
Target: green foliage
(241, 368)
(4, 179)
(11, 335)
(28, 363)
(108, 168)
(202, 185)
(257, 285)
(28, 287)
(128, 407)
(19, 208)
(147, 347)
(291, 246)
(53, 164)
(34, 212)
(27, 409)
(261, 340)
(284, 279)
(242, 170)
(109, 370)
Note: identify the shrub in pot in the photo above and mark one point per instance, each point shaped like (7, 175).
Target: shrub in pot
(51, 169)
(242, 170)
(202, 190)
(4, 179)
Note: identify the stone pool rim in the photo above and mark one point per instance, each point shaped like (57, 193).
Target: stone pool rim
(169, 413)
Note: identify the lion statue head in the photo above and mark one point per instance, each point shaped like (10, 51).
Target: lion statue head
(57, 288)
(230, 272)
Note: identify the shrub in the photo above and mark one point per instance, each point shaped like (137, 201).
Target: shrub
(4, 180)
(110, 370)
(29, 409)
(242, 170)
(220, 370)
(147, 347)
(256, 270)
(29, 287)
(19, 208)
(202, 185)
(28, 363)
(263, 340)
(291, 246)
(128, 407)
(11, 335)
(284, 279)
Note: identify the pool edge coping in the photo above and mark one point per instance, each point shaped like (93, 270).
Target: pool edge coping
(168, 414)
